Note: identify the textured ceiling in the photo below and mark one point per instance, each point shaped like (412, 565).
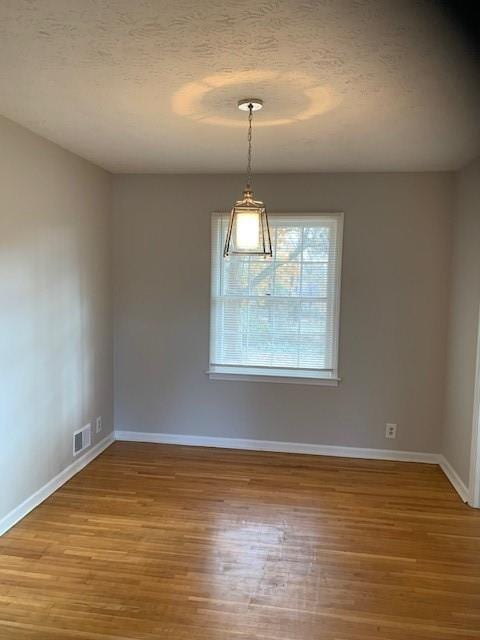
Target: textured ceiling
(152, 85)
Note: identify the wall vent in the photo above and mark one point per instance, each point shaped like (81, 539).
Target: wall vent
(82, 439)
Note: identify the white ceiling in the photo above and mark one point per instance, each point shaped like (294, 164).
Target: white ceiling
(152, 85)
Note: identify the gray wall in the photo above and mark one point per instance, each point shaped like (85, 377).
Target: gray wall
(393, 316)
(55, 309)
(463, 321)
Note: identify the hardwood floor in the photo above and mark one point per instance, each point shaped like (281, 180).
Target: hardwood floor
(159, 541)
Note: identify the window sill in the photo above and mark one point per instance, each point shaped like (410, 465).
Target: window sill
(285, 378)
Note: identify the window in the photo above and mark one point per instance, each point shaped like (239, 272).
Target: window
(277, 318)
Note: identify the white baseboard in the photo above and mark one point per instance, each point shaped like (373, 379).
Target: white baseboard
(52, 485)
(454, 478)
(272, 445)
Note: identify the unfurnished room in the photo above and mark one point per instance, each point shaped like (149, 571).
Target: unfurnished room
(239, 320)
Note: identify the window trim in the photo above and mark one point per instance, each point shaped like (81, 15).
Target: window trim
(330, 378)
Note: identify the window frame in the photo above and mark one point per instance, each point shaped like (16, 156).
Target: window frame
(283, 374)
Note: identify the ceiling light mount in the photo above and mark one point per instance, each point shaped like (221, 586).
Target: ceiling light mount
(244, 104)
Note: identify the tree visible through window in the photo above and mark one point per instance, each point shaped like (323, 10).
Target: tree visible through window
(278, 316)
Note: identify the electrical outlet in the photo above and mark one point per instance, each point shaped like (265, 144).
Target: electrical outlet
(390, 431)
(98, 426)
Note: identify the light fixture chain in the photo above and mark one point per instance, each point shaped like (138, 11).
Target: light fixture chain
(249, 157)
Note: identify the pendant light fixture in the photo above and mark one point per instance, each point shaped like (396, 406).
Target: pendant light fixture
(248, 232)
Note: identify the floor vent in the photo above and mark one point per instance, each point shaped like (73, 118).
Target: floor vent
(82, 439)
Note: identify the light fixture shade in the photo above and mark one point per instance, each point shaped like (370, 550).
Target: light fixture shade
(248, 231)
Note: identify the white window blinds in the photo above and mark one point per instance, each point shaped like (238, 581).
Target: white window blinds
(278, 316)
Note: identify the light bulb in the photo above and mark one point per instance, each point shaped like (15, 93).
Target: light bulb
(247, 231)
